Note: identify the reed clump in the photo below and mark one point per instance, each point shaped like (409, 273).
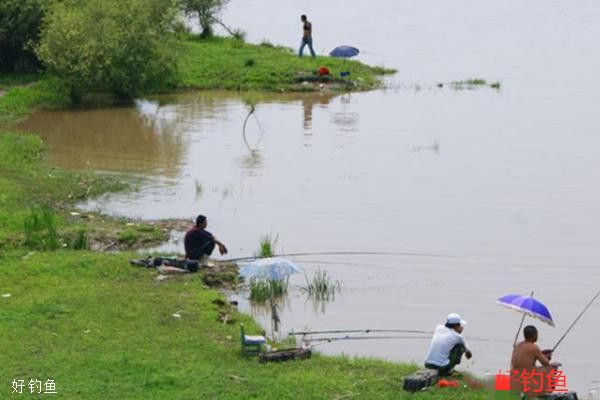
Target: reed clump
(321, 286)
(267, 246)
(262, 290)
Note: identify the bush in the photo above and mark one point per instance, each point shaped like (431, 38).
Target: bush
(20, 22)
(123, 47)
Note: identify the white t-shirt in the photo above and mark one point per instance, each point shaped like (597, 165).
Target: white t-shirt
(444, 339)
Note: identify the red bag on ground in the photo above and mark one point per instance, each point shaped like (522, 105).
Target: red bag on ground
(323, 71)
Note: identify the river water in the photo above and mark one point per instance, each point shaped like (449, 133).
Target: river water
(497, 191)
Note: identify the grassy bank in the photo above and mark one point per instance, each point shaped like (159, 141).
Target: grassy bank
(224, 63)
(217, 63)
(103, 329)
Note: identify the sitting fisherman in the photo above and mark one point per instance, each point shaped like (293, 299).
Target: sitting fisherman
(447, 346)
(524, 357)
(199, 242)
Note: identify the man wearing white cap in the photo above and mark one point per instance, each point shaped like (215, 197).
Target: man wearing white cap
(447, 346)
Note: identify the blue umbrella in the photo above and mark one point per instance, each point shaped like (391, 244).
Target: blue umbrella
(274, 268)
(526, 305)
(344, 52)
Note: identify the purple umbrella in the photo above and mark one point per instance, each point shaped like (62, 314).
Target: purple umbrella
(526, 305)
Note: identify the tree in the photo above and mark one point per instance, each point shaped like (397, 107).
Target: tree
(20, 22)
(123, 47)
(205, 10)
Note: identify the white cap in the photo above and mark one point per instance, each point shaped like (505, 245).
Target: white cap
(454, 318)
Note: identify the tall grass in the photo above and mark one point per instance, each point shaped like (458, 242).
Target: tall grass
(80, 241)
(321, 286)
(262, 290)
(267, 246)
(39, 229)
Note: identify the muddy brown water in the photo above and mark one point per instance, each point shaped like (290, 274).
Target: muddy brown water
(505, 183)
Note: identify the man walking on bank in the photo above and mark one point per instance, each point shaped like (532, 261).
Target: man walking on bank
(306, 36)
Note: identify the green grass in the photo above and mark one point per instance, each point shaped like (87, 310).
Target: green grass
(262, 290)
(266, 246)
(10, 80)
(25, 93)
(321, 286)
(224, 63)
(102, 329)
(39, 228)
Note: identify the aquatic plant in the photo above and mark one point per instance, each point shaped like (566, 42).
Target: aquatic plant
(321, 286)
(199, 188)
(267, 246)
(39, 229)
(475, 82)
(262, 290)
(495, 85)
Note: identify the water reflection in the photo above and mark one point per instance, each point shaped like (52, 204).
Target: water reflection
(115, 139)
(308, 104)
(347, 120)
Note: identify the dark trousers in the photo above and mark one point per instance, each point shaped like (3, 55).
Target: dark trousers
(305, 42)
(208, 248)
(454, 357)
(190, 265)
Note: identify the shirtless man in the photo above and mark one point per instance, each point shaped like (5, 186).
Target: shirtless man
(524, 357)
(306, 36)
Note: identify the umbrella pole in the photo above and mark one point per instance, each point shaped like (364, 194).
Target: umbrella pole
(521, 325)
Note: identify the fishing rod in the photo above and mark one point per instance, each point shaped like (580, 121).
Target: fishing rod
(413, 331)
(576, 319)
(334, 339)
(304, 333)
(345, 253)
(383, 337)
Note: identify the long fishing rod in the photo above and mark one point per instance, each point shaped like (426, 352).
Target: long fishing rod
(576, 319)
(383, 337)
(304, 333)
(334, 339)
(413, 331)
(345, 253)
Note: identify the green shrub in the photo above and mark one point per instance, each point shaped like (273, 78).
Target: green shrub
(123, 47)
(20, 22)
